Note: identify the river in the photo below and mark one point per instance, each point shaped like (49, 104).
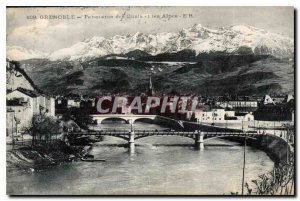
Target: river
(161, 165)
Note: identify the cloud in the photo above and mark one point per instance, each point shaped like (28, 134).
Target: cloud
(34, 31)
(38, 32)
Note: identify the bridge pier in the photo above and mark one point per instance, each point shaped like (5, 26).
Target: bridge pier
(131, 143)
(199, 140)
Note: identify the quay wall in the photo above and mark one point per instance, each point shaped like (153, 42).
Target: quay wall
(275, 146)
(165, 121)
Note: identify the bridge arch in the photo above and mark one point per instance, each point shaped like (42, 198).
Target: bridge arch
(112, 118)
(143, 118)
(126, 117)
(151, 135)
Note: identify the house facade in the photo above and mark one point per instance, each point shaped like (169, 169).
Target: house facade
(213, 115)
(224, 118)
(23, 99)
(24, 104)
(239, 104)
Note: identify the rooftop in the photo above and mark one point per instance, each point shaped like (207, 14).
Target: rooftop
(28, 92)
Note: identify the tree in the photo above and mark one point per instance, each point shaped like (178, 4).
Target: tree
(280, 181)
(82, 117)
(44, 128)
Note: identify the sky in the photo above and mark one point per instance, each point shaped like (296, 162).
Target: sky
(28, 27)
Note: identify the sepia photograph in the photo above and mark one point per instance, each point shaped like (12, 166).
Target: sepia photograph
(168, 100)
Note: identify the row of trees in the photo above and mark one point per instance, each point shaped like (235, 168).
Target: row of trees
(280, 181)
(45, 128)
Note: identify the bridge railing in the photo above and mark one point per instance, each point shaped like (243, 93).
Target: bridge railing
(135, 130)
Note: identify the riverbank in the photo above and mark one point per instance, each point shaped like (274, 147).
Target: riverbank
(31, 159)
(275, 146)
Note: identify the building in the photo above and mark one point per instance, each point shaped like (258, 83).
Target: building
(278, 99)
(71, 103)
(243, 104)
(268, 110)
(150, 91)
(18, 116)
(10, 122)
(24, 104)
(23, 99)
(224, 118)
(16, 77)
(49, 106)
(267, 100)
(213, 115)
(245, 117)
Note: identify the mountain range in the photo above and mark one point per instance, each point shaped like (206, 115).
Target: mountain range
(237, 60)
(238, 39)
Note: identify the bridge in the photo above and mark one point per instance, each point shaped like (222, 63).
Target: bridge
(198, 132)
(198, 136)
(129, 118)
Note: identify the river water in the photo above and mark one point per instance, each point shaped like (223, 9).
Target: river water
(161, 165)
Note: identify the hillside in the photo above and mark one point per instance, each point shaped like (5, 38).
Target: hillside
(213, 74)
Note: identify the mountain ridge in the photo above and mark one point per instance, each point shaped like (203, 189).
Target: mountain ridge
(214, 75)
(234, 40)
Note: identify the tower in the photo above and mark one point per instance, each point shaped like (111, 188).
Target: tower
(150, 91)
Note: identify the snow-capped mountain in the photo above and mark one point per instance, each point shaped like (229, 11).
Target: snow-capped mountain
(20, 53)
(235, 39)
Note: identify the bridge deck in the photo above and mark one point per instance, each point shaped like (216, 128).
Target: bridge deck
(125, 134)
